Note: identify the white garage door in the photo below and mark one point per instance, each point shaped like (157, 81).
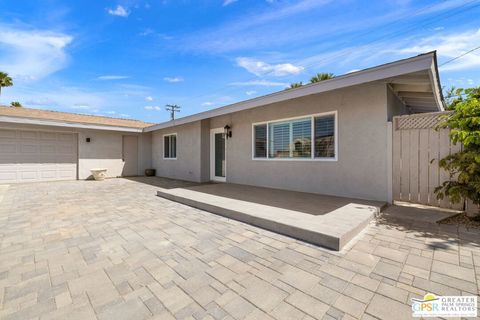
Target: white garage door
(29, 156)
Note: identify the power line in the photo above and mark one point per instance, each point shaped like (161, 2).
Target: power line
(458, 57)
(347, 51)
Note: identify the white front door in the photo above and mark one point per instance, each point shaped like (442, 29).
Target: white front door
(218, 155)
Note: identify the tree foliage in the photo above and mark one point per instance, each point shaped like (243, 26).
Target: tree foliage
(321, 77)
(463, 166)
(5, 81)
(295, 85)
(16, 104)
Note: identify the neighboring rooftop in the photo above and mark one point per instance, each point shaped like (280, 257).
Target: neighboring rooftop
(70, 117)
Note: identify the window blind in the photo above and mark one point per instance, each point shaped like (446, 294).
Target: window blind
(325, 137)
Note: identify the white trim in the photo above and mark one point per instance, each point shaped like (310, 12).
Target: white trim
(312, 118)
(54, 123)
(163, 145)
(212, 155)
(401, 67)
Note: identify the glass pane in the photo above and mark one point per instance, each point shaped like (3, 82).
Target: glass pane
(279, 136)
(166, 147)
(260, 141)
(173, 145)
(325, 137)
(302, 138)
(219, 155)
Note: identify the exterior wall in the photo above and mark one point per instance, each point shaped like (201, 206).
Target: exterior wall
(144, 153)
(360, 171)
(395, 107)
(104, 150)
(187, 164)
(205, 151)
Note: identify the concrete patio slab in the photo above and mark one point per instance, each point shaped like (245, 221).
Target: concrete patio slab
(327, 221)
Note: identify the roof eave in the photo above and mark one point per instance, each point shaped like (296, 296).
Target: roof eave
(55, 123)
(410, 65)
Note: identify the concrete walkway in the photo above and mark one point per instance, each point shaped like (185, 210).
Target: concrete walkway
(114, 250)
(331, 222)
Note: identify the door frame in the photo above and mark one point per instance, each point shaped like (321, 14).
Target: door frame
(212, 155)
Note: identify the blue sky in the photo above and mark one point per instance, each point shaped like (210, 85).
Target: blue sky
(129, 58)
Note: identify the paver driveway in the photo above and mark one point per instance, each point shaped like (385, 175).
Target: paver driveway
(113, 250)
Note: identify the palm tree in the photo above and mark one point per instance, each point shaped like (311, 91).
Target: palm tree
(16, 104)
(295, 85)
(321, 76)
(5, 81)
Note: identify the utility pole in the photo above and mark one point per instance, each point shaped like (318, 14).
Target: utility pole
(172, 108)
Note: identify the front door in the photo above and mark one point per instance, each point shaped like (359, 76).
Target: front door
(218, 160)
(130, 156)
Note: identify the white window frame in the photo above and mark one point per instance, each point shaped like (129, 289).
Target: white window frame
(163, 145)
(312, 157)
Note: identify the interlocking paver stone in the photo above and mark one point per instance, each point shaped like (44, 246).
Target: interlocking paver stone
(113, 250)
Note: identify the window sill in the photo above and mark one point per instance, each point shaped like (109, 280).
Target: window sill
(297, 159)
(169, 158)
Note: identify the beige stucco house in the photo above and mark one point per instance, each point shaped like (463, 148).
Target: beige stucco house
(331, 137)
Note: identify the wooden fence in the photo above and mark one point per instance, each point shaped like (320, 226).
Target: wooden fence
(417, 148)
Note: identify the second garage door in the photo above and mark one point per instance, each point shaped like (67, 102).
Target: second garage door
(30, 156)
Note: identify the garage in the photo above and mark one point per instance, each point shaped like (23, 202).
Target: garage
(32, 156)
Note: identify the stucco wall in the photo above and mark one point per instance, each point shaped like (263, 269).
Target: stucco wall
(395, 107)
(103, 151)
(144, 153)
(361, 168)
(187, 164)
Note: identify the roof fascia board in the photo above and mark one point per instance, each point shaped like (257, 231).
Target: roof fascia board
(437, 93)
(53, 123)
(415, 64)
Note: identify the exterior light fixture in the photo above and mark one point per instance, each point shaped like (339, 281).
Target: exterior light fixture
(228, 132)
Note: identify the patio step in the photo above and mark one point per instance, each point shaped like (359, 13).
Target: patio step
(332, 230)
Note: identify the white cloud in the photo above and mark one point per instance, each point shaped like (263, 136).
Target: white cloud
(207, 104)
(81, 107)
(31, 54)
(153, 108)
(110, 112)
(228, 2)
(112, 77)
(263, 83)
(260, 68)
(149, 98)
(124, 115)
(146, 32)
(119, 11)
(173, 79)
(250, 92)
(449, 46)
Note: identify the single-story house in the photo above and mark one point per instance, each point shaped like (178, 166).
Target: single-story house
(332, 137)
